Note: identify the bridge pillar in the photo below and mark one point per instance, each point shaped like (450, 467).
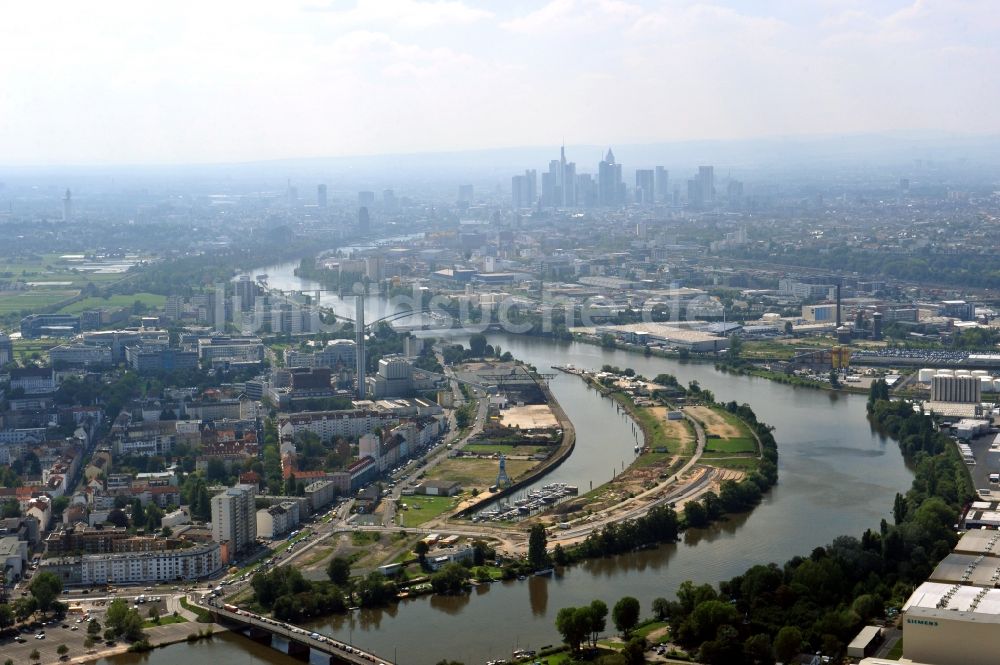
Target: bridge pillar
(260, 635)
(298, 650)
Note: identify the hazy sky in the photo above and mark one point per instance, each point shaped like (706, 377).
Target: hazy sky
(233, 80)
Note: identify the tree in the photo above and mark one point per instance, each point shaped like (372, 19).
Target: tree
(635, 651)
(94, 627)
(834, 378)
(34, 655)
(154, 614)
(62, 649)
(787, 643)
(573, 625)
(477, 345)
(757, 649)
(421, 549)
(537, 556)
(6, 616)
(118, 518)
(735, 348)
(339, 571)
(25, 607)
(598, 610)
(626, 615)
(661, 609)
(45, 588)
(89, 642)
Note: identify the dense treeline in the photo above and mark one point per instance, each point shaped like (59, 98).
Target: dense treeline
(960, 269)
(820, 601)
(291, 597)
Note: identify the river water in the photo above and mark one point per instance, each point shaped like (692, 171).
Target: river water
(835, 477)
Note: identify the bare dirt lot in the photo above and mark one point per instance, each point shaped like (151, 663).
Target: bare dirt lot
(529, 417)
(716, 423)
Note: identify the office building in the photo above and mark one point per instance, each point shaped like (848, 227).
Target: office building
(364, 220)
(234, 522)
(611, 189)
(645, 189)
(662, 185)
(523, 189)
(246, 293)
(706, 180)
(321, 196)
(51, 325)
(366, 199)
(465, 194)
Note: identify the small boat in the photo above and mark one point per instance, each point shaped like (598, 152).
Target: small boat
(544, 571)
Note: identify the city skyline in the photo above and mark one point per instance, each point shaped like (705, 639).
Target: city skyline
(255, 81)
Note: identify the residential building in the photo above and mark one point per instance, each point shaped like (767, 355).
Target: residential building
(233, 519)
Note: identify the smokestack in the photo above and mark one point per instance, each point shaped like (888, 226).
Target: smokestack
(838, 303)
(359, 323)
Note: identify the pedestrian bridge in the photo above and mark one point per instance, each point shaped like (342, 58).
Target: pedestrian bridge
(303, 644)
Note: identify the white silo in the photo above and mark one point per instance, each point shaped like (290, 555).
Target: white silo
(986, 384)
(925, 375)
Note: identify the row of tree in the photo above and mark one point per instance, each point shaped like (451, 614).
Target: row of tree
(819, 602)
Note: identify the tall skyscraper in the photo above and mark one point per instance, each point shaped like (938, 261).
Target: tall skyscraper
(364, 220)
(706, 179)
(662, 185)
(246, 291)
(644, 187)
(465, 194)
(321, 196)
(523, 189)
(389, 200)
(366, 199)
(234, 519)
(359, 325)
(67, 214)
(609, 181)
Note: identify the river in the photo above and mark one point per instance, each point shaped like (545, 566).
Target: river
(835, 477)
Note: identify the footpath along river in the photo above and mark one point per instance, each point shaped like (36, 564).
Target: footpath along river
(835, 477)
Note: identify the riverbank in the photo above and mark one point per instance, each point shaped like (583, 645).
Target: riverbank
(159, 637)
(562, 453)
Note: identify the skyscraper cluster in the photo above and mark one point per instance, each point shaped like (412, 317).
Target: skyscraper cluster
(562, 186)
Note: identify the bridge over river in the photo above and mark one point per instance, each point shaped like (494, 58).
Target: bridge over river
(304, 644)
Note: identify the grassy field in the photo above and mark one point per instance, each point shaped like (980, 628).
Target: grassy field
(421, 509)
(489, 449)
(726, 432)
(479, 473)
(12, 302)
(735, 463)
(150, 300)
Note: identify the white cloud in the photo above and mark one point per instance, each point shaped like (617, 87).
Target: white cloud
(574, 16)
(410, 14)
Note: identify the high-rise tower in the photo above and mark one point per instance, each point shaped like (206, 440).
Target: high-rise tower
(359, 324)
(67, 207)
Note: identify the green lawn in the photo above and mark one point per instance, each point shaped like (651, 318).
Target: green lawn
(647, 628)
(737, 463)
(489, 449)
(424, 508)
(150, 300)
(896, 652)
(33, 300)
(740, 445)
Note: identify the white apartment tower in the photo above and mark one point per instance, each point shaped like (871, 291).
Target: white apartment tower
(234, 518)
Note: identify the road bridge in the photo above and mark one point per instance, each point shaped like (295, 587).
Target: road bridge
(302, 643)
